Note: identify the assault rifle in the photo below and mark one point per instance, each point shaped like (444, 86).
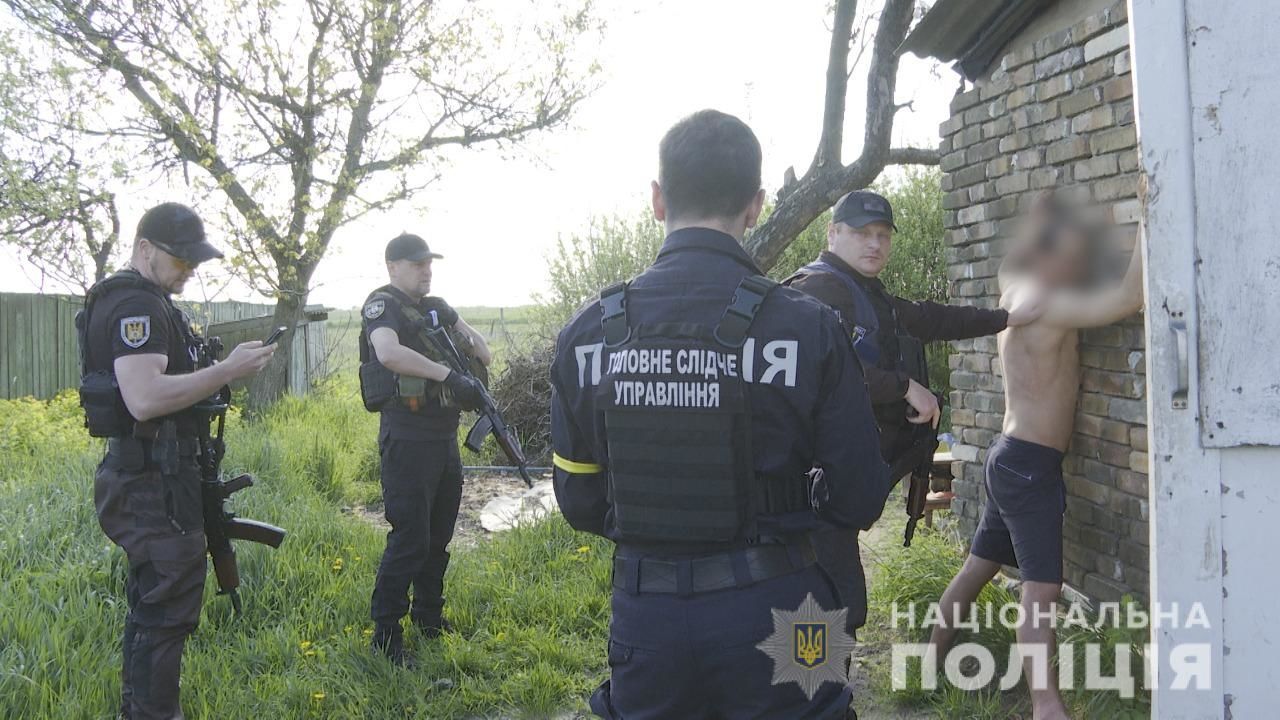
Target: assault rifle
(490, 421)
(221, 526)
(918, 458)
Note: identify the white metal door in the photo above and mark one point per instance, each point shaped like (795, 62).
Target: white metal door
(1206, 106)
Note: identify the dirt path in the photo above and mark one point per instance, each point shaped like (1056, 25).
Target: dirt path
(477, 490)
(873, 650)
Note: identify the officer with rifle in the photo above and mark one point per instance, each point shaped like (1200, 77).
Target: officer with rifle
(406, 378)
(142, 383)
(888, 333)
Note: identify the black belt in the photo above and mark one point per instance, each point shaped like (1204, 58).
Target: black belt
(138, 452)
(737, 568)
(186, 445)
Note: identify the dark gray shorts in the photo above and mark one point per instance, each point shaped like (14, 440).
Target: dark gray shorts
(1022, 522)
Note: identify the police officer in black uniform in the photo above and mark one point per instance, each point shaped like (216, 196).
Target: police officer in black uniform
(139, 353)
(688, 406)
(419, 400)
(888, 333)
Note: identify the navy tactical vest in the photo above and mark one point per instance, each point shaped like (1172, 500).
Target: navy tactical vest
(676, 414)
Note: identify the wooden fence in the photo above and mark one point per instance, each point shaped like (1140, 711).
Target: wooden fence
(40, 352)
(310, 358)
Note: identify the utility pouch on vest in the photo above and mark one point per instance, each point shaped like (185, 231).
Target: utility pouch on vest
(914, 360)
(105, 414)
(164, 449)
(412, 391)
(377, 385)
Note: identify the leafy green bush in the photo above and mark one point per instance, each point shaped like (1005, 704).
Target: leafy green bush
(612, 249)
(38, 429)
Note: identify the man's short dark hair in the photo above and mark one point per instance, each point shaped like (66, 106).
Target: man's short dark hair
(708, 166)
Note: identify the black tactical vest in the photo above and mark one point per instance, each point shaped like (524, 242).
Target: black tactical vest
(676, 414)
(380, 386)
(106, 414)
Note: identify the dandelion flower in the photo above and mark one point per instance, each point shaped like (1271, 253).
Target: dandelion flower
(584, 549)
(317, 696)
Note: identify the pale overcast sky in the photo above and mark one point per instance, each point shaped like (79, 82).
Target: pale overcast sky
(496, 219)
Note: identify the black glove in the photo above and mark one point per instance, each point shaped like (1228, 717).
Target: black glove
(467, 391)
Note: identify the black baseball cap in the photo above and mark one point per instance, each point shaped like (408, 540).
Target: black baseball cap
(409, 247)
(177, 230)
(863, 207)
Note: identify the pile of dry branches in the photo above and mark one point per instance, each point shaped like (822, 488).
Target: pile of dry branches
(523, 395)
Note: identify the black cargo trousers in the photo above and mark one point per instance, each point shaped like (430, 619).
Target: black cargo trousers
(421, 493)
(157, 520)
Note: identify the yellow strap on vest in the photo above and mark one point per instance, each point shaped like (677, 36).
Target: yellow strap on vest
(576, 468)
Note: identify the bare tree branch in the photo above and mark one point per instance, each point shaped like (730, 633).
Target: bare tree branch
(914, 156)
(826, 180)
(830, 143)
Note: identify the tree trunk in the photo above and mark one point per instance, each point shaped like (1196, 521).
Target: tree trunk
(273, 381)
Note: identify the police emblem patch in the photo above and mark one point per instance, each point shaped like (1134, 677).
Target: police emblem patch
(374, 310)
(808, 646)
(135, 331)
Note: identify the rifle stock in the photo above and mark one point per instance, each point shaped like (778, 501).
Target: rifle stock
(253, 531)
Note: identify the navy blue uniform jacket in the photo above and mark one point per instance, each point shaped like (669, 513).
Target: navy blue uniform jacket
(808, 398)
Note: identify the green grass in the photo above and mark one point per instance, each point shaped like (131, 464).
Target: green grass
(919, 575)
(530, 607)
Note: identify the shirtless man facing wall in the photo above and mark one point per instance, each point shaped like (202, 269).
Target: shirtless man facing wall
(1022, 522)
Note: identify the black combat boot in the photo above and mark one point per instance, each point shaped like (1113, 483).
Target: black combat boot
(389, 641)
(433, 628)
